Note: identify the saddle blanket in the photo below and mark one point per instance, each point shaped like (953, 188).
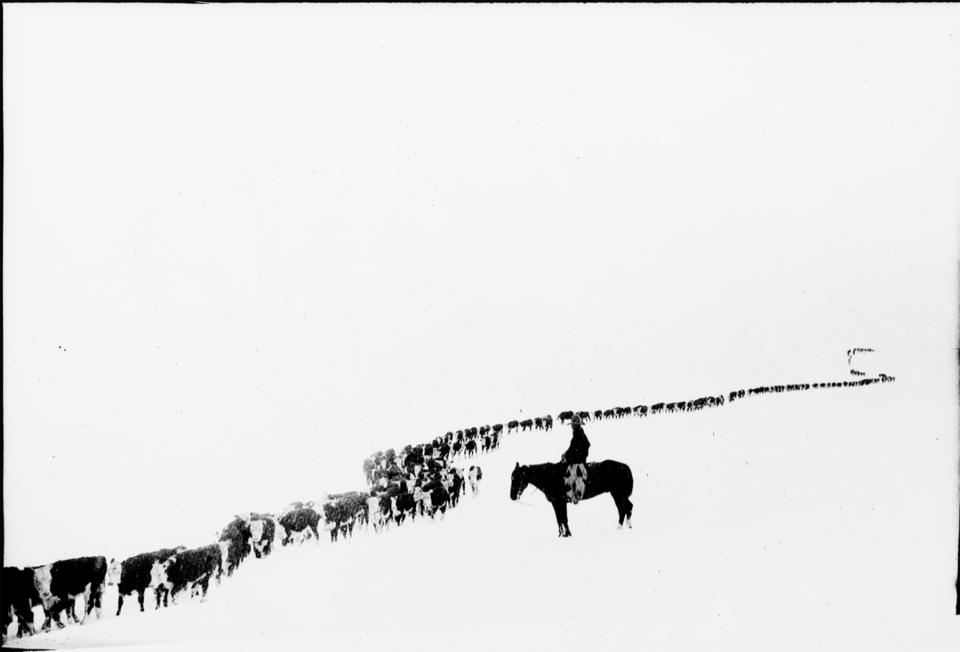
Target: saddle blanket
(575, 481)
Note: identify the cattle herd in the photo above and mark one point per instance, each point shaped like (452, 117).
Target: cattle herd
(418, 481)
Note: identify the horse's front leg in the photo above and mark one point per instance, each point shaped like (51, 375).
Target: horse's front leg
(560, 509)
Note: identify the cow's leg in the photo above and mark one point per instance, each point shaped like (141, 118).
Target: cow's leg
(87, 601)
(119, 603)
(316, 533)
(96, 598)
(53, 615)
(25, 624)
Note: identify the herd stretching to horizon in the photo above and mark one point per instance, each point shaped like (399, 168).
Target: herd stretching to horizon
(420, 480)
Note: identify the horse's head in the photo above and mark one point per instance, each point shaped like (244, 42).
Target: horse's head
(518, 481)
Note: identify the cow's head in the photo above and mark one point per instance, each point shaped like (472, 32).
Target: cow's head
(113, 572)
(158, 572)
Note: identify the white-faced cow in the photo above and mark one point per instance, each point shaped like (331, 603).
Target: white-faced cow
(189, 569)
(263, 530)
(475, 475)
(134, 575)
(237, 535)
(59, 584)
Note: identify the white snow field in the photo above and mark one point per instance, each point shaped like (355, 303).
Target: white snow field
(766, 523)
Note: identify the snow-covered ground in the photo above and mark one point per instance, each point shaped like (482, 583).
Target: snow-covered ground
(766, 523)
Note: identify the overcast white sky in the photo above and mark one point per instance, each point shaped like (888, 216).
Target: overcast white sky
(244, 246)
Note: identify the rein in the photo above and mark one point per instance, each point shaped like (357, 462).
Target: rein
(521, 502)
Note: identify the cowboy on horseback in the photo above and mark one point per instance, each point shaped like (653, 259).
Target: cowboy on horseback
(575, 458)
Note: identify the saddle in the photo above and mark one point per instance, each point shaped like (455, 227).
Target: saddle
(575, 481)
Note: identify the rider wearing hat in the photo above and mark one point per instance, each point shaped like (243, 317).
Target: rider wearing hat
(576, 460)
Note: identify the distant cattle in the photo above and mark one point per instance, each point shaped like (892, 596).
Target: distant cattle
(423, 501)
(439, 500)
(475, 475)
(134, 576)
(300, 519)
(380, 508)
(456, 487)
(404, 506)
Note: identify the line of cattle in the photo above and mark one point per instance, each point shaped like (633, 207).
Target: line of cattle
(429, 489)
(418, 481)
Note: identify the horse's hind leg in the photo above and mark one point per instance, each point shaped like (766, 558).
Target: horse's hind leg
(624, 509)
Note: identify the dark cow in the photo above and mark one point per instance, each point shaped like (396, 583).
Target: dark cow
(187, 569)
(513, 425)
(60, 583)
(439, 500)
(135, 573)
(355, 504)
(565, 416)
(498, 428)
(236, 536)
(456, 487)
(337, 518)
(405, 505)
(299, 519)
(471, 448)
(526, 424)
(18, 595)
(547, 422)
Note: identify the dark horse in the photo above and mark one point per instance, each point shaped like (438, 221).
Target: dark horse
(602, 477)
